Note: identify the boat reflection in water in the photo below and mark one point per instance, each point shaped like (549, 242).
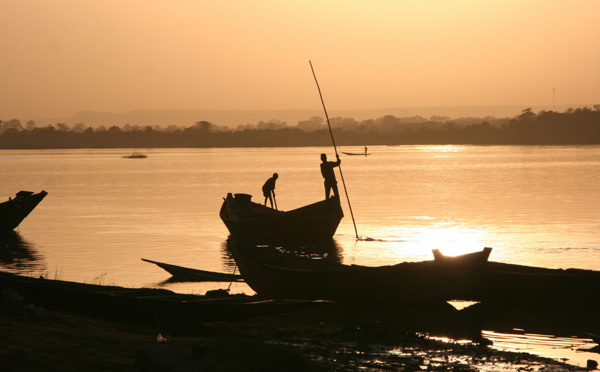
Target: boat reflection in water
(19, 256)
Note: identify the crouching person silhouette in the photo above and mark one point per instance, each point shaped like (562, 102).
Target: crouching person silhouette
(269, 190)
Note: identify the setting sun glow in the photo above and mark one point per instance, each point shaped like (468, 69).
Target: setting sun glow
(451, 240)
(110, 56)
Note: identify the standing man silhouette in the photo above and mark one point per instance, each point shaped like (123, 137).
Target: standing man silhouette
(269, 189)
(329, 175)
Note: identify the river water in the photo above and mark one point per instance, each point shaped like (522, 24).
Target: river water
(103, 213)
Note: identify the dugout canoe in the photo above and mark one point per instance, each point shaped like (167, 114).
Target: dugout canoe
(278, 275)
(503, 283)
(274, 274)
(247, 219)
(141, 305)
(473, 258)
(355, 153)
(14, 211)
(186, 274)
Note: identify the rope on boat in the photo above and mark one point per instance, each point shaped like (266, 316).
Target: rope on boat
(231, 282)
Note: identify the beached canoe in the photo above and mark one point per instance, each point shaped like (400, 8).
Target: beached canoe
(278, 275)
(14, 211)
(186, 274)
(503, 283)
(274, 274)
(141, 305)
(246, 219)
(474, 258)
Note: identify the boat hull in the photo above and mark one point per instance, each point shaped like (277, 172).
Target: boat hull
(502, 283)
(277, 275)
(186, 274)
(469, 278)
(249, 220)
(14, 211)
(141, 305)
(355, 153)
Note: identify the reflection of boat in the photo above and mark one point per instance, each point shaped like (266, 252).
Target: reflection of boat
(274, 274)
(180, 273)
(14, 211)
(17, 255)
(144, 305)
(247, 219)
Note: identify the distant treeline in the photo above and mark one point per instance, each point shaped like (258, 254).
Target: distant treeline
(573, 127)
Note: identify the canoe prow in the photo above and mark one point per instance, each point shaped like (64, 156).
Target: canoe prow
(185, 274)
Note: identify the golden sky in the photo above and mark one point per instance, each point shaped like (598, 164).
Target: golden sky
(63, 56)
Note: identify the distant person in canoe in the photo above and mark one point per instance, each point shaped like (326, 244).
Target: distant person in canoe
(269, 189)
(329, 175)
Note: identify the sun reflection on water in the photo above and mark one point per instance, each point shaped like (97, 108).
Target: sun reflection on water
(381, 245)
(573, 350)
(452, 240)
(438, 149)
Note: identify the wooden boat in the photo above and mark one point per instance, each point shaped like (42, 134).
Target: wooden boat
(185, 274)
(278, 275)
(247, 219)
(142, 305)
(135, 155)
(468, 277)
(465, 259)
(501, 283)
(355, 153)
(14, 211)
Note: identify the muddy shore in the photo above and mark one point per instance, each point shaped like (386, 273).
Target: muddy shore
(322, 338)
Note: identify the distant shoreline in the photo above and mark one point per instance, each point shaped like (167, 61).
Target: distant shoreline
(233, 118)
(574, 127)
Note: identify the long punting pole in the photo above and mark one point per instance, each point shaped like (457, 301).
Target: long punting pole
(335, 148)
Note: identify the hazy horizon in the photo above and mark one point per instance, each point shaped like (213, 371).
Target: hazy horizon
(234, 118)
(70, 56)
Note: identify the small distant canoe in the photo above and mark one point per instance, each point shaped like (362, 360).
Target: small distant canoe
(246, 219)
(14, 211)
(355, 153)
(185, 274)
(135, 155)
